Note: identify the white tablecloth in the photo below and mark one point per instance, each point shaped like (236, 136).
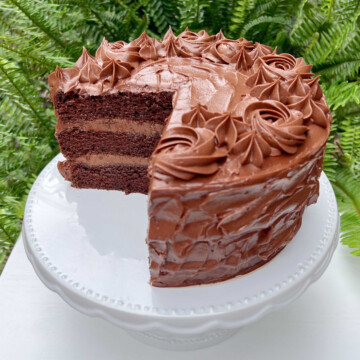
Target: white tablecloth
(324, 323)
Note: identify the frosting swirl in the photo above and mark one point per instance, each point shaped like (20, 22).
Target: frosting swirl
(316, 92)
(90, 71)
(261, 76)
(317, 111)
(272, 129)
(108, 51)
(306, 96)
(260, 50)
(240, 52)
(185, 152)
(271, 91)
(224, 50)
(224, 126)
(112, 71)
(147, 47)
(251, 148)
(283, 65)
(120, 51)
(194, 43)
(198, 116)
(68, 78)
(170, 46)
(84, 58)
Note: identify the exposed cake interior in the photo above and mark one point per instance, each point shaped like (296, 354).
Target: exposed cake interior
(108, 139)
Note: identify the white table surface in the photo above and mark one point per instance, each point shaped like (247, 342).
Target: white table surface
(324, 323)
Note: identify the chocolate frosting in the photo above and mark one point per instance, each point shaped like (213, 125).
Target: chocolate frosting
(248, 129)
(185, 152)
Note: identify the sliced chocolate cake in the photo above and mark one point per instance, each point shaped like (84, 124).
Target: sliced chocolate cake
(108, 140)
(227, 136)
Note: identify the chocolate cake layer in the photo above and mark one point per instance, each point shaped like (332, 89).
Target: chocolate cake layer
(75, 142)
(74, 106)
(127, 178)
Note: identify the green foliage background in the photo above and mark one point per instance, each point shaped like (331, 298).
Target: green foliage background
(37, 35)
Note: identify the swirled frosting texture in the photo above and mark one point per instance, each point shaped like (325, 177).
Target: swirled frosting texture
(239, 158)
(185, 152)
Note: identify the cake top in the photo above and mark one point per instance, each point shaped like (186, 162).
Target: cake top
(240, 109)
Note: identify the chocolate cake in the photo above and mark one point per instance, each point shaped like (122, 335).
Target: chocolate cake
(226, 136)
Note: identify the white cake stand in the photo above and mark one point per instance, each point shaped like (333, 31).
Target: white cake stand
(89, 247)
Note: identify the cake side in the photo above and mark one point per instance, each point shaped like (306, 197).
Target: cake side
(201, 236)
(238, 218)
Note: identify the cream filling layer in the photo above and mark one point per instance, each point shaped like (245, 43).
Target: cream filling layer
(113, 125)
(111, 159)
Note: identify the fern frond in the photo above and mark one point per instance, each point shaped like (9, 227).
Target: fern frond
(349, 133)
(347, 190)
(192, 14)
(327, 7)
(345, 10)
(340, 94)
(351, 47)
(330, 158)
(39, 20)
(217, 16)
(20, 49)
(163, 14)
(13, 86)
(308, 21)
(240, 12)
(276, 34)
(264, 20)
(327, 45)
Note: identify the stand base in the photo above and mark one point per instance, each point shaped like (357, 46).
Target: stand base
(163, 340)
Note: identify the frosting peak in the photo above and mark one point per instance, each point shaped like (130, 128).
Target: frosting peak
(197, 117)
(84, 58)
(148, 47)
(185, 152)
(113, 70)
(108, 51)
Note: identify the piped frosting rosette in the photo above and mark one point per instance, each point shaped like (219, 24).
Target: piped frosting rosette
(185, 152)
(240, 52)
(269, 128)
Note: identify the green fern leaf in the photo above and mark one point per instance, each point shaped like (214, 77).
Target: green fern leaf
(240, 12)
(347, 191)
(264, 20)
(13, 86)
(39, 20)
(163, 14)
(330, 162)
(340, 94)
(307, 23)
